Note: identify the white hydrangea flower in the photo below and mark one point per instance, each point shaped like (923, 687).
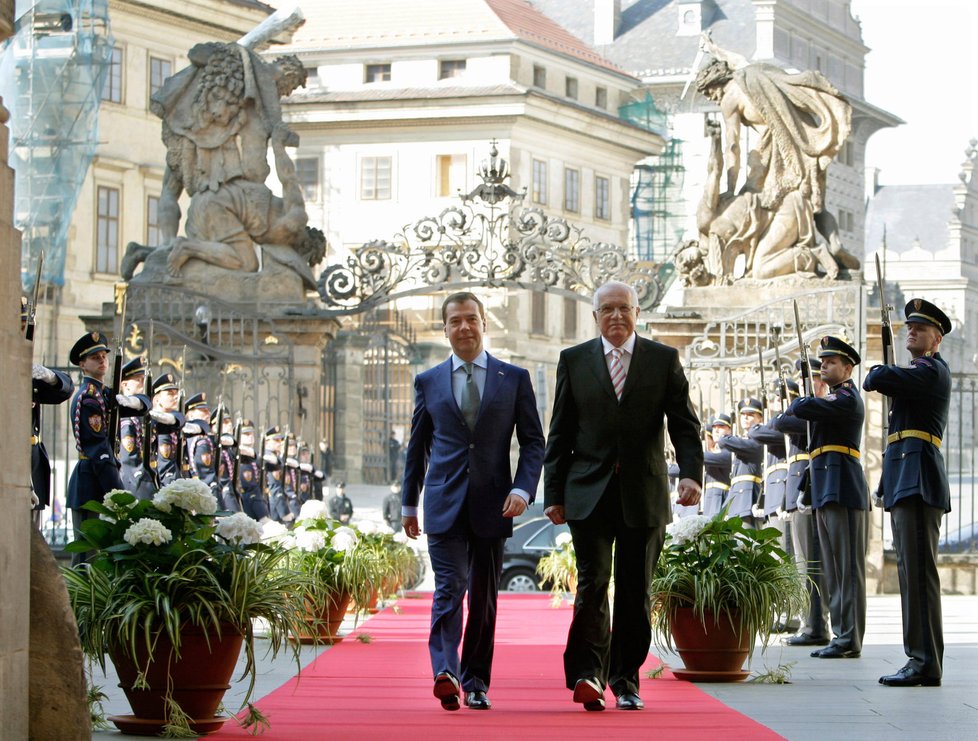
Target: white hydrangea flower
(312, 541)
(148, 531)
(344, 539)
(367, 527)
(687, 529)
(563, 539)
(239, 528)
(313, 509)
(119, 510)
(277, 533)
(192, 495)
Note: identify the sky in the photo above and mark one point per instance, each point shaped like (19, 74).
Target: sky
(922, 67)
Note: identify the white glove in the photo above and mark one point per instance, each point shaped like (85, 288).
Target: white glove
(803, 509)
(292, 462)
(192, 428)
(40, 373)
(305, 467)
(246, 451)
(784, 515)
(129, 402)
(271, 458)
(164, 418)
(757, 511)
(34, 500)
(227, 441)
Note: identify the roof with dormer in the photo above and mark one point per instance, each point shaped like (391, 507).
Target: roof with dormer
(914, 216)
(388, 24)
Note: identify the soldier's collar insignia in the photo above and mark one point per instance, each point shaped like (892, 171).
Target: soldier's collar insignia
(928, 354)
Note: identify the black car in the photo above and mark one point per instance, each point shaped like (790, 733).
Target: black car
(532, 540)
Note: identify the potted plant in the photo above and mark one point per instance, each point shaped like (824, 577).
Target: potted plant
(336, 569)
(171, 594)
(717, 585)
(559, 568)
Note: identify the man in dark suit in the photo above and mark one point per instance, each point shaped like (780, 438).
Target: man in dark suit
(605, 475)
(466, 411)
(914, 487)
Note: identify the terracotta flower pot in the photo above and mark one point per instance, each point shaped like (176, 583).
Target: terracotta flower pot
(714, 652)
(324, 626)
(196, 680)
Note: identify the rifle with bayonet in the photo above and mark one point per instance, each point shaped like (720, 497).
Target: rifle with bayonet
(235, 472)
(808, 389)
(32, 307)
(149, 480)
(759, 505)
(886, 332)
(112, 433)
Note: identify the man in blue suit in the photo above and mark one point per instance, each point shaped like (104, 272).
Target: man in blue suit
(466, 410)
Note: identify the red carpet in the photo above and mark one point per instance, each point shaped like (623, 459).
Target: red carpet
(382, 689)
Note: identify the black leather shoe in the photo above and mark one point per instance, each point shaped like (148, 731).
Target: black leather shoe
(629, 701)
(477, 700)
(447, 690)
(803, 639)
(589, 692)
(909, 677)
(835, 652)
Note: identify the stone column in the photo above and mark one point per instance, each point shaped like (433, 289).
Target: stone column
(15, 495)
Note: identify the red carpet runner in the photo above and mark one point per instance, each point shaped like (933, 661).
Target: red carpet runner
(382, 690)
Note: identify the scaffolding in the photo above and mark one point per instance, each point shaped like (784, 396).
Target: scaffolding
(657, 188)
(52, 72)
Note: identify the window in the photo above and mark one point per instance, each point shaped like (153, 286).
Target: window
(538, 313)
(539, 76)
(107, 231)
(307, 173)
(602, 198)
(153, 221)
(112, 86)
(540, 182)
(450, 68)
(159, 70)
(601, 97)
(451, 174)
(375, 179)
(845, 156)
(847, 220)
(570, 87)
(570, 318)
(377, 73)
(572, 190)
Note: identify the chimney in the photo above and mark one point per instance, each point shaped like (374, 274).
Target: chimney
(607, 19)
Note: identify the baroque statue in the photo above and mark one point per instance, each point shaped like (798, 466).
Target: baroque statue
(220, 115)
(770, 226)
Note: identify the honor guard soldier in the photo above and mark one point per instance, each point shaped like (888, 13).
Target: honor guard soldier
(914, 486)
(840, 497)
(814, 628)
(273, 462)
(167, 422)
(249, 475)
(227, 495)
(775, 475)
(51, 387)
(290, 476)
(200, 447)
(97, 472)
(306, 474)
(131, 429)
(340, 506)
(748, 460)
(716, 466)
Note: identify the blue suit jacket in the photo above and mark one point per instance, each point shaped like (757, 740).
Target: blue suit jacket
(457, 466)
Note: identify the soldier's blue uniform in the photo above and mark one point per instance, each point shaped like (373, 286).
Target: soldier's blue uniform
(132, 433)
(249, 480)
(840, 499)
(97, 470)
(274, 465)
(915, 492)
(745, 473)
(200, 446)
(167, 437)
(716, 472)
